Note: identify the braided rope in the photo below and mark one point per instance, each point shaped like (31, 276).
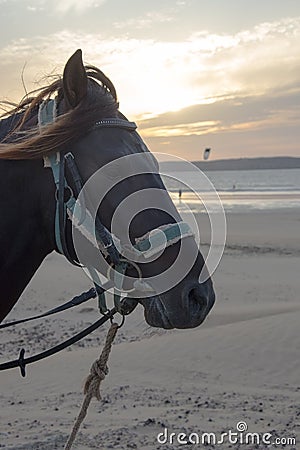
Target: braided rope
(98, 371)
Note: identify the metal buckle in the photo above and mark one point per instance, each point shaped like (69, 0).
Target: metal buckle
(68, 190)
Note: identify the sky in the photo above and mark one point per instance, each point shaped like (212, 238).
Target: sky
(193, 74)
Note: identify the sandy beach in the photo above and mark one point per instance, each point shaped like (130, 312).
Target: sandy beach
(241, 365)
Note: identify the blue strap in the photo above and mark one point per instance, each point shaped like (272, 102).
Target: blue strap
(47, 112)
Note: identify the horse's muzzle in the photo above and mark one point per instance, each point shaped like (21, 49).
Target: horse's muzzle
(196, 302)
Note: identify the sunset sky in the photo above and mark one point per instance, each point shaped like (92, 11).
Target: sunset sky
(223, 74)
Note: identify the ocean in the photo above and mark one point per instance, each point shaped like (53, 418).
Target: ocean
(239, 191)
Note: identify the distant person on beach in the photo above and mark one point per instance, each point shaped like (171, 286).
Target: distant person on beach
(179, 193)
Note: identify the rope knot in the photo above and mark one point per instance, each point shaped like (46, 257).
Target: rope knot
(97, 370)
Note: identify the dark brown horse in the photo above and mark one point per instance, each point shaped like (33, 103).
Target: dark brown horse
(84, 95)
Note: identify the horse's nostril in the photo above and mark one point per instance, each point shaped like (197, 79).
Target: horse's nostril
(196, 298)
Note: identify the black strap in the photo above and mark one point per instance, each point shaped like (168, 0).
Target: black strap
(102, 234)
(62, 212)
(104, 238)
(75, 301)
(21, 362)
(76, 178)
(77, 183)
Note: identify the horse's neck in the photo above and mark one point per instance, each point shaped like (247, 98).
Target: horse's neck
(24, 240)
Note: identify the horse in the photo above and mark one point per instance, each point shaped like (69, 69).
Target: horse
(85, 97)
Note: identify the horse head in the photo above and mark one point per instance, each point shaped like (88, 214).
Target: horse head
(134, 204)
(123, 190)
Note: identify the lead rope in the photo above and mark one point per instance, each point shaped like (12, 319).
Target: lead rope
(98, 371)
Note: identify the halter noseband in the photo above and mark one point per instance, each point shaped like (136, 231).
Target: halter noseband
(148, 245)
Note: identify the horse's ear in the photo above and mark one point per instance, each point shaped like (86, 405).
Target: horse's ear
(75, 79)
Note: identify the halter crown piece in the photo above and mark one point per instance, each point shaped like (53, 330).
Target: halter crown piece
(146, 246)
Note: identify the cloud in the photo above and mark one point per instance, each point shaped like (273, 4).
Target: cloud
(78, 6)
(144, 21)
(262, 125)
(228, 114)
(180, 129)
(64, 6)
(279, 139)
(154, 77)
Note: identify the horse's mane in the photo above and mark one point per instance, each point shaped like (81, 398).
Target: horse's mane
(27, 141)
